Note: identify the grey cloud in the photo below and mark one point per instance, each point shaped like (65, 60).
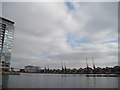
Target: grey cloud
(42, 28)
(101, 20)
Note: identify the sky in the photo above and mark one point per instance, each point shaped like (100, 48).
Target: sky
(50, 34)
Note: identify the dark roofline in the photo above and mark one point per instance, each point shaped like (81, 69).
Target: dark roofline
(6, 20)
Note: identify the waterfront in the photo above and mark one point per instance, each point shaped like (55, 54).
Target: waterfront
(31, 80)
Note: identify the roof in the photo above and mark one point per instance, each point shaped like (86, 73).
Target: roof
(6, 20)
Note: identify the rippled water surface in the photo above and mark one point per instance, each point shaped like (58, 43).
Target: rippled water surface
(26, 80)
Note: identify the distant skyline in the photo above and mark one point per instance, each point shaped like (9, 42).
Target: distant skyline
(48, 33)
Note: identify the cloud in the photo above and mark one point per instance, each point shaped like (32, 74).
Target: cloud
(52, 32)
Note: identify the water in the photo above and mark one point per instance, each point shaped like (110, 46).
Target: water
(0, 80)
(26, 80)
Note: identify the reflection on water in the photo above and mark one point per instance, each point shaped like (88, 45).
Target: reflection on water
(58, 81)
(0, 80)
(5, 81)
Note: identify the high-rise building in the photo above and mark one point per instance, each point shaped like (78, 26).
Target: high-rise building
(6, 40)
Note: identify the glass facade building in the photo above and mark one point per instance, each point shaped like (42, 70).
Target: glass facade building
(6, 40)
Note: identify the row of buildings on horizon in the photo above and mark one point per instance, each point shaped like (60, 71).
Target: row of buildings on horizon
(65, 70)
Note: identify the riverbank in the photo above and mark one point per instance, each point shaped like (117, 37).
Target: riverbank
(87, 75)
(11, 73)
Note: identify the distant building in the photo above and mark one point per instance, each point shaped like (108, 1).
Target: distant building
(32, 69)
(6, 40)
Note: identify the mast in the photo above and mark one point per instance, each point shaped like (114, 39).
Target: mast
(93, 63)
(47, 67)
(87, 63)
(62, 66)
(65, 66)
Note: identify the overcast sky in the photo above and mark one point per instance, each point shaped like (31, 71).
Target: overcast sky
(48, 34)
